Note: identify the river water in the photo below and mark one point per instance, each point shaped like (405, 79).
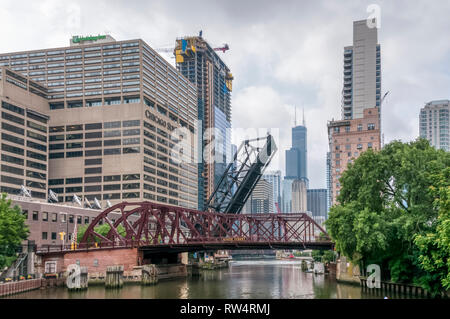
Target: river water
(267, 279)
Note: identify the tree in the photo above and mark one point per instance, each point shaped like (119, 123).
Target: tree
(384, 204)
(434, 247)
(13, 230)
(101, 229)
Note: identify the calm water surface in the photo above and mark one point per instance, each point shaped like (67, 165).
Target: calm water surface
(244, 279)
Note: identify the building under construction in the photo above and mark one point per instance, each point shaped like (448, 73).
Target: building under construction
(200, 63)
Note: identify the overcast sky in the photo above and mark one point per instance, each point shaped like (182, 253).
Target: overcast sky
(282, 54)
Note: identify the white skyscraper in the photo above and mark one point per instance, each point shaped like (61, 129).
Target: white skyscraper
(274, 178)
(362, 72)
(435, 122)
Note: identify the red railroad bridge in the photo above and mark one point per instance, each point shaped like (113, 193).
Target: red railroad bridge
(158, 228)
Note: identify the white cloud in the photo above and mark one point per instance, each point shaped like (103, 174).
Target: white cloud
(282, 54)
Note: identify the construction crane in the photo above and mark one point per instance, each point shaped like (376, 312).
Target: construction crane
(223, 49)
(241, 176)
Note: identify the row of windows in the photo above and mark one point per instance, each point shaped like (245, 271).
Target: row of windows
(113, 151)
(110, 178)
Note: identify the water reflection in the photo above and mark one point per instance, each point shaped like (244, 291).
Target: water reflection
(242, 280)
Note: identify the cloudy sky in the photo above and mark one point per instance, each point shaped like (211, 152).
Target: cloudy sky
(283, 54)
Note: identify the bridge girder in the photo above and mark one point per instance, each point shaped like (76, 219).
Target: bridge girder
(153, 226)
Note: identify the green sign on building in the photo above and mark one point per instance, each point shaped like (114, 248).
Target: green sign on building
(78, 39)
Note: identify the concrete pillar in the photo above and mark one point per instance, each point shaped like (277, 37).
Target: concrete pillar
(84, 278)
(114, 277)
(149, 275)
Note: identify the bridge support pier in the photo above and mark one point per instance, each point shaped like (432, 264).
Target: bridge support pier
(149, 275)
(114, 277)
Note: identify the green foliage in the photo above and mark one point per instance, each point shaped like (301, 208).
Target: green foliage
(328, 256)
(434, 246)
(324, 256)
(387, 212)
(316, 255)
(12, 231)
(101, 229)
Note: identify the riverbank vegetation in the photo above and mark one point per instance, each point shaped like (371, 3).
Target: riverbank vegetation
(394, 211)
(13, 231)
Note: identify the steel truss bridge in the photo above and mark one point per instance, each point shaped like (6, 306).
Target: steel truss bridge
(161, 228)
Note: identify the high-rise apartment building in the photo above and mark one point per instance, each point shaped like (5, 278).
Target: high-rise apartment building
(435, 122)
(98, 119)
(347, 140)
(299, 196)
(359, 128)
(286, 195)
(261, 199)
(296, 157)
(317, 203)
(274, 178)
(199, 62)
(329, 179)
(362, 72)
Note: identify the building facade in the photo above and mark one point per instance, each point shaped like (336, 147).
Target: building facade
(116, 112)
(296, 157)
(347, 140)
(286, 195)
(317, 202)
(435, 122)
(274, 178)
(199, 62)
(261, 199)
(299, 196)
(362, 72)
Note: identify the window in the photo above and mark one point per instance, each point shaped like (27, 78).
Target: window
(113, 178)
(35, 215)
(78, 219)
(54, 217)
(369, 145)
(53, 236)
(63, 218)
(44, 216)
(74, 128)
(44, 235)
(93, 170)
(25, 214)
(93, 144)
(86, 219)
(359, 127)
(131, 123)
(71, 219)
(113, 151)
(370, 126)
(93, 135)
(359, 146)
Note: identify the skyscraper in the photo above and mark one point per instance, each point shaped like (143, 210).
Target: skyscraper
(296, 157)
(435, 122)
(199, 62)
(359, 128)
(317, 202)
(261, 199)
(95, 119)
(274, 178)
(286, 195)
(299, 196)
(362, 72)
